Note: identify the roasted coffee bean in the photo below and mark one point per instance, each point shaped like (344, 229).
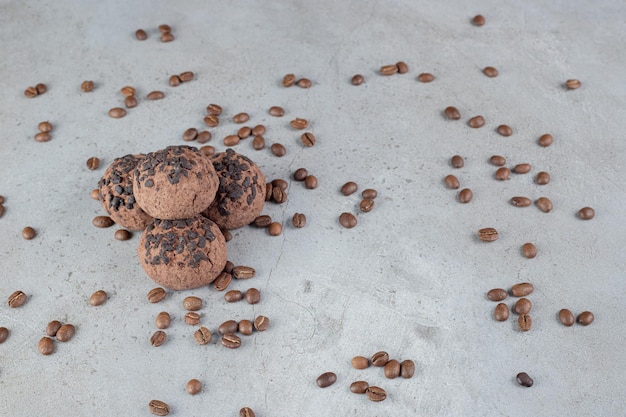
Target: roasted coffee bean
(304, 83)
(503, 174)
(186, 76)
(476, 122)
(45, 126)
(524, 322)
(202, 336)
(522, 289)
(523, 306)
(299, 123)
(452, 182)
(465, 195)
(244, 132)
(570, 84)
(457, 161)
(241, 118)
(203, 137)
(243, 272)
(298, 220)
(452, 113)
(46, 346)
(349, 188)
(498, 160)
(388, 69)
(524, 379)
(497, 294)
(192, 318)
(425, 77)
(403, 68)
(326, 379)
(504, 130)
(407, 369)
(207, 150)
(307, 139)
(130, 102)
(366, 205)
(491, 72)
(529, 250)
(376, 394)
(478, 20)
(544, 204)
(95, 194)
(117, 112)
(87, 86)
(360, 362)
(521, 201)
(4, 334)
(357, 79)
(289, 80)
(488, 234)
(246, 412)
(214, 109)
(41, 88)
(369, 193)
(192, 303)
(585, 318)
(522, 168)
(31, 92)
(275, 229)
(392, 369)
(231, 140)
(261, 323)
(164, 28)
(98, 298)
(155, 95)
(278, 150)
(141, 35)
(501, 312)
(233, 296)
(262, 221)
(347, 220)
(102, 221)
(229, 326)
(17, 299)
(231, 341)
(163, 320)
(122, 234)
(276, 111)
(175, 81)
(193, 386)
(65, 332)
(258, 130)
(1, 210)
(53, 327)
(222, 281)
(227, 235)
(157, 339)
(380, 359)
(252, 296)
(42, 137)
(156, 294)
(93, 163)
(546, 140)
(245, 327)
(542, 178)
(586, 213)
(310, 182)
(167, 37)
(190, 134)
(158, 408)
(128, 91)
(566, 317)
(258, 142)
(359, 387)
(211, 120)
(300, 174)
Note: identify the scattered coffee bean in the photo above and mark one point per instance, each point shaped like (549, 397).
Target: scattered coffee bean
(299, 123)
(95, 194)
(192, 318)
(523, 306)
(214, 109)
(229, 326)
(304, 83)
(542, 178)
(501, 312)
(524, 322)
(65, 332)
(522, 168)
(349, 188)
(258, 143)
(1, 210)
(392, 369)
(175, 81)
(53, 327)
(375, 394)
(585, 318)
(359, 387)
(45, 126)
(231, 341)
(130, 102)
(17, 299)
(28, 233)
(522, 289)
(566, 317)
(310, 182)
(347, 220)
(186, 76)
(102, 221)
(407, 369)
(425, 77)
(465, 195)
(570, 84)
(241, 118)
(245, 327)
(190, 134)
(476, 122)
(158, 408)
(326, 379)
(158, 338)
(193, 386)
(164, 28)
(491, 72)
(156, 294)
(211, 120)
(243, 272)
(546, 140)
(498, 160)
(222, 281)
(521, 201)
(231, 140)
(46, 346)
(497, 294)
(202, 336)
(117, 112)
(87, 86)
(360, 362)
(192, 303)
(244, 132)
(258, 130)
(122, 235)
(262, 221)
(369, 193)
(298, 220)
(246, 412)
(544, 204)
(380, 359)
(275, 229)
(457, 161)
(478, 20)
(504, 130)
(141, 35)
(586, 213)
(228, 268)
(98, 298)
(307, 139)
(300, 174)
(452, 113)
(366, 205)
(4, 334)
(93, 163)
(41, 88)
(128, 91)
(233, 296)
(488, 234)
(42, 137)
(388, 69)
(529, 250)
(452, 182)
(261, 323)
(162, 320)
(276, 111)
(155, 95)
(278, 150)
(167, 37)
(357, 79)
(252, 296)
(403, 68)
(31, 92)
(503, 174)
(524, 379)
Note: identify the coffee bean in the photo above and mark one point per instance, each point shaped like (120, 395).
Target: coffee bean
(192, 318)
(388, 69)
(243, 272)
(214, 109)
(93, 163)
(569, 84)
(524, 322)
(366, 205)
(360, 362)
(102, 221)
(300, 174)
(497, 294)
(42, 137)
(503, 174)
(1, 210)
(186, 76)
(276, 111)
(193, 386)
(491, 72)
(164, 28)
(478, 20)
(457, 161)
(262, 221)
(128, 91)
(278, 150)
(522, 289)
(403, 68)
(407, 369)
(425, 77)
(31, 92)
(347, 220)
(222, 281)
(298, 220)
(304, 83)
(392, 369)
(155, 95)
(586, 213)
(261, 323)
(207, 150)
(245, 327)
(289, 80)
(544, 204)
(233, 296)
(501, 312)
(376, 394)
(156, 294)
(231, 140)
(504, 130)
(53, 327)
(380, 359)
(117, 112)
(95, 194)
(202, 336)
(498, 160)
(28, 233)
(585, 318)
(192, 303)
(521, 201)
(229, 326)
(141, 35)
(476, 122)
(488, 234)
(244, 132)
(542, 178)
(17, 299)
(275, 229)
(258, 142)
(157, 339)
(98, 298)
(41, 88)
(546, 140)
(529, 250)
(158, 408)
(252, 296)
(130, 102)
(522, 168)
(241, 118)
(167, 37)
(228, 268)
(524, 379)
(211, 120)
(162, 320)
(231, 341)
(122, 235)
(246, 412)
(357, 79)
(452, 182)
(566, 317)
(326, 379)
(369, 193)
(299, 123)
(523, 306)
(45, 126)
(190, 134)
(465, 195)
(310, 182)
(175, 81)
(46, 346)
(359, 387)
(349, 188)
(65, 332)
(4, 334)
(307, 139)
(452, 113)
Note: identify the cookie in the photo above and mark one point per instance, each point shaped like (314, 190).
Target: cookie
(177, 182)
(241, 193)
(182, 254)
(116, 194)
